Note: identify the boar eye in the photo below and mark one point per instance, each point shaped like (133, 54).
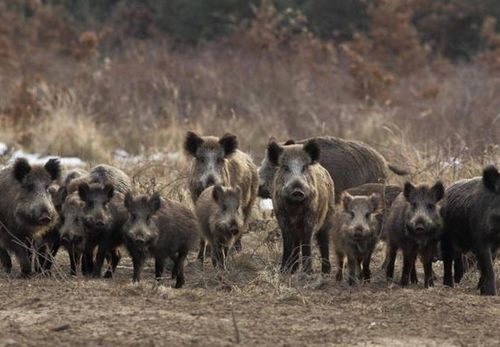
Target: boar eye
(430, 207)
(304, 168)
(201, 160)
(47, 187)
(351, 214)
(30, 187)
(367, 215)
(286, 168)
(220, 160)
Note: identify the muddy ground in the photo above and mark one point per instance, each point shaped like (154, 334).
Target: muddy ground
(251, 304)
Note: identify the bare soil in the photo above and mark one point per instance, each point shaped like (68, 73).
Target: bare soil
(250, 304)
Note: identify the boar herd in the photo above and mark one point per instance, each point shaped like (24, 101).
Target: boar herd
(328, 188)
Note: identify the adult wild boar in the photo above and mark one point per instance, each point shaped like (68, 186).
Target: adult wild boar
(161, 229)
(219, 161)
(303, 197)
(350, 164)
(414, 225)
(471, 214)
(221, 220)
(27, 211)
(356, 231)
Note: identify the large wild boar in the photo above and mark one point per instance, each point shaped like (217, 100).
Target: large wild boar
(356, 231)
(414, 225)
(303, 197)
(350, 164)
(221, 220)
(219, 161)
(471, 214)
(161, 229)
(27, 212)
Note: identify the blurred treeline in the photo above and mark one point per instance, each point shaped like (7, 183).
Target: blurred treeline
(452, 28)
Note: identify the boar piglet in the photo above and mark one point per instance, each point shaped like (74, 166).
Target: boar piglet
(161, 229)
(356, 230)
(414, 225)
(471, 215)
(27, 212)
(103, 217)
(221, 221)
(304, 200)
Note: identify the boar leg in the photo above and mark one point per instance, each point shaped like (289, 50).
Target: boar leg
(24, 259)
(287, 250)
(458, 267)
(323, 243)
(448, 255)
(391, 259)
(413, 273)
(218, 257)
(159, 267)
(237, 244)
(340, 264)
(306, 251)
(102, 249)
(487, 279)
(178, 269)
(88, 259)
(408, 263)
(427, 258)
(354, 270)
(74, 256)
(201, 252)
(137, 262)
(367, 274)
(115, 257)
(5, 260)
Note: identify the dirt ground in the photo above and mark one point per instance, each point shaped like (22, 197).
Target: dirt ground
(250, 304)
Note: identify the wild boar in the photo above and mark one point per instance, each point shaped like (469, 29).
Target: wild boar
(304, 201)
(349, 163)
(221, 220)
(161, 229)
(414, 225)
(471, 214)
(356, 231)
(27, 212)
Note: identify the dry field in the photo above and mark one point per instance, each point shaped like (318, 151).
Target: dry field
(250, 304)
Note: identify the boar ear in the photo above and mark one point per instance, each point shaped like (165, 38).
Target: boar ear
(192, 142)
(155, 202)
(62, 193)
(346, 200)
(376, 201)
(312, 148)
(408, 189)
(21, 168)
(491, 178)
(53, 167)
(83, 191)
(438, 190)
(217, 193)
(128, 200)
(109, 190)
(273, 152)
(289, 142)
(229, 143)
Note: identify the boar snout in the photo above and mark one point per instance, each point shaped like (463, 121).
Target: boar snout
(45, 217)
(297, 192)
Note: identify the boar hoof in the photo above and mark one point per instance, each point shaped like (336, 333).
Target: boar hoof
(108, 274)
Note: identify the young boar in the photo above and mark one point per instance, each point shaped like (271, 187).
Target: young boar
(72, 230)
(303, 198)
(27, 212)
(356, 230)
(471, 214)
(221, 220)
(161, 229)
(103, 216)
(219, 161)
(414, 225)
(349, 163)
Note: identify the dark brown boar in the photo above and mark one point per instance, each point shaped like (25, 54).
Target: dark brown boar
(161, 229)
(72, 230)
(356, 231)
(221, 221)
(350, 164)
(303, 197)
(471, 213)
(414, 225)
(219, 161)
(27, 212)
(103, 216)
